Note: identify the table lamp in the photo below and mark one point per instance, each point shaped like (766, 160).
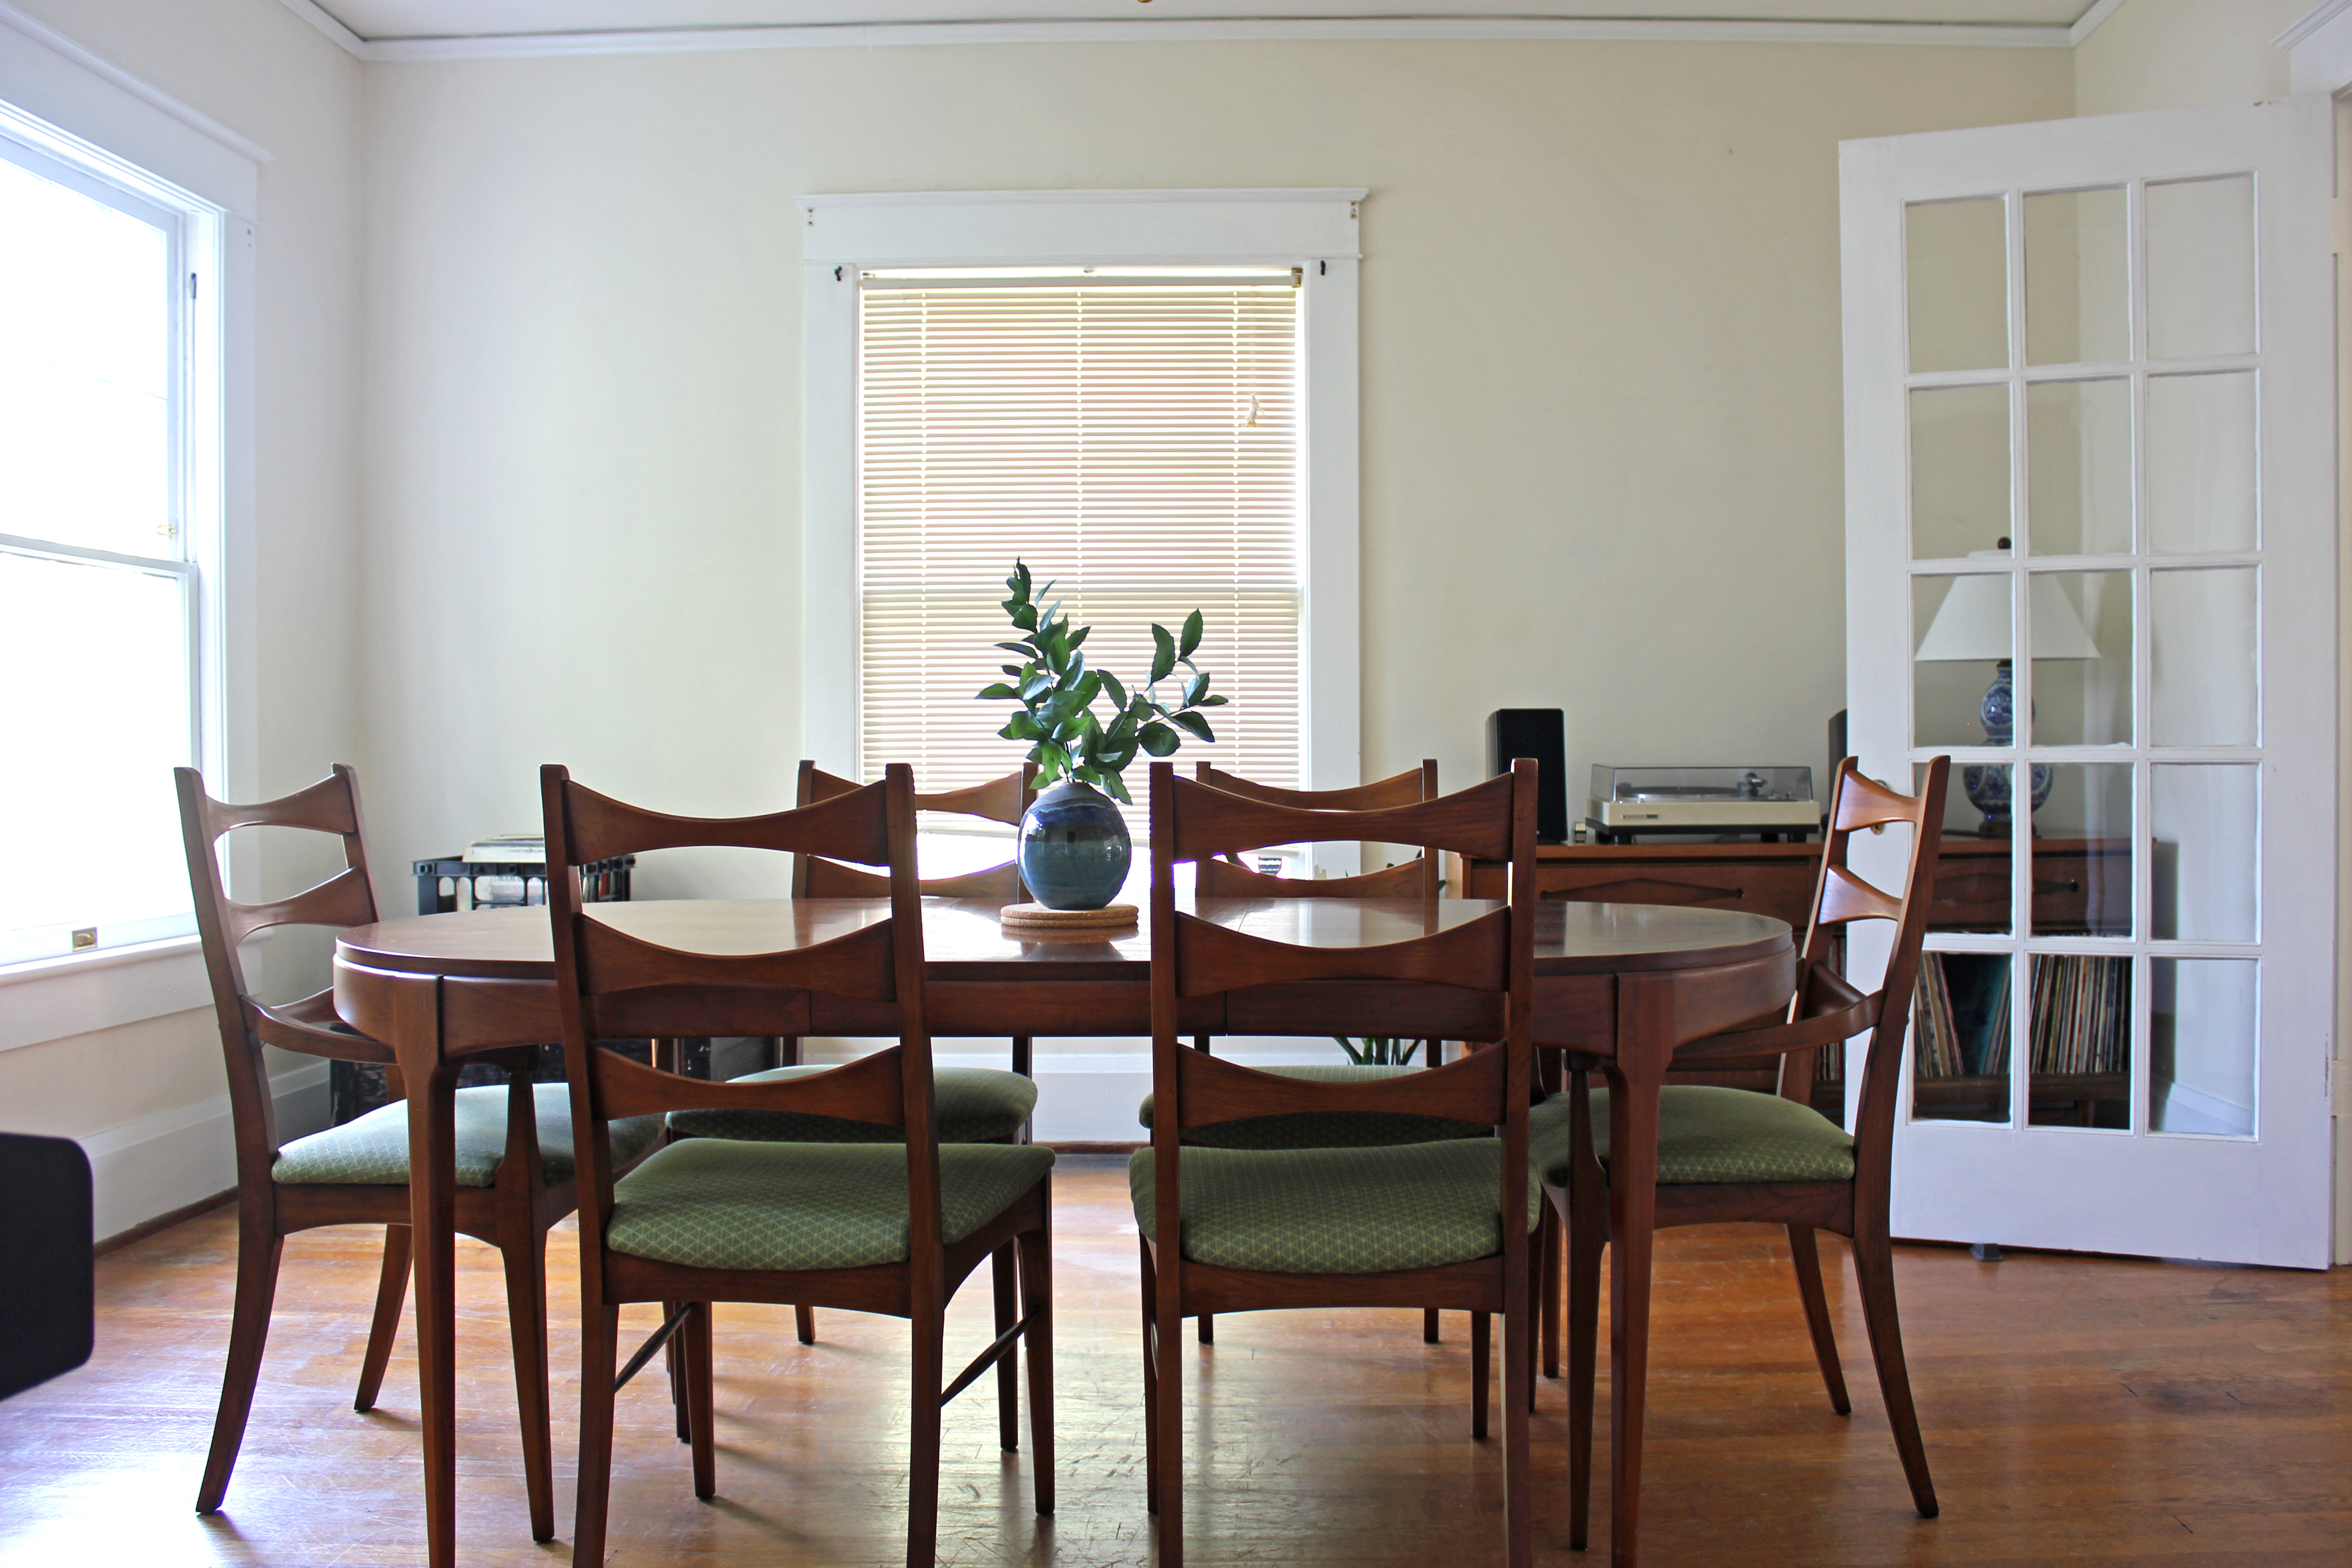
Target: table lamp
(1971, 626)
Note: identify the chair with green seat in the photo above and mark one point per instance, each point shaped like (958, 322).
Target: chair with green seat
(1728, 1154)
(1224, 877)
(514, 1144)
(975, 1105)
(889, 1228)
(1242, 1229)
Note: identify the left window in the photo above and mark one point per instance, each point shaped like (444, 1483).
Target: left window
(109, 526)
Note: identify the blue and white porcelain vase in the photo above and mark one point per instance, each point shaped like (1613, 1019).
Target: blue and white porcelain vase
(1074, 849)
(1988, 783)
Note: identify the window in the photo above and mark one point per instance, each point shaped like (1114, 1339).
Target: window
(1148, 395)
(110, 522)
(1135, 437)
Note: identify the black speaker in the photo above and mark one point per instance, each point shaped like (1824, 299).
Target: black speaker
(1540, 733)
(46, 1305)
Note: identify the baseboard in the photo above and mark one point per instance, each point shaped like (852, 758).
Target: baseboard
(164, 1222)
(144, 1170)
(1084, 1148)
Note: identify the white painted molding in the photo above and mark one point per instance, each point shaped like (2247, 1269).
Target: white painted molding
(114, 76)
(57, 998)
(941, 228)
(171, 1158)
(2084, 24)
(2319, 48)
(350, 43)
(1409, 29)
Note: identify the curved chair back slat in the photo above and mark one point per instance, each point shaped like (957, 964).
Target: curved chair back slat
(1005, 800)
(1397, 789)
(346, 898)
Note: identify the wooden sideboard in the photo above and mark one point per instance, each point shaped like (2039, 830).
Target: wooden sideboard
(2077, 883)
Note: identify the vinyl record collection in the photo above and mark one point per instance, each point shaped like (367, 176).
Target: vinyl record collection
(2078, 1016)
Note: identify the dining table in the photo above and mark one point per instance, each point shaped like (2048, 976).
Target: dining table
(1623, 984)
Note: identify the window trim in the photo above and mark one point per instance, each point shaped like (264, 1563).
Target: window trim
(1315, 230)
(73, 107)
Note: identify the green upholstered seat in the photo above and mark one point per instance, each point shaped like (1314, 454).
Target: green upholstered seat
(1336, 1211)
(1326, 1129)
(975, 1105)
(725, 1203)
(372, 1150)
(1708, 1133)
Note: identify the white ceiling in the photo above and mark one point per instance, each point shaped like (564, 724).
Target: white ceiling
(389, 19)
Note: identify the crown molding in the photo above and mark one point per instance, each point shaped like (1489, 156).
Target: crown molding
(2089, 22)
(2318, 17)
(310, 12)
(1410, 29)
(98, 65)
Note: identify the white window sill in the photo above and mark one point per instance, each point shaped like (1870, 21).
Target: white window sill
(55, 998)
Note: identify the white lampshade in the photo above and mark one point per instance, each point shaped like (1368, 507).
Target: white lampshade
(1973, 622)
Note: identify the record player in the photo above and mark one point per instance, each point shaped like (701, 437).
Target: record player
(1766, 801)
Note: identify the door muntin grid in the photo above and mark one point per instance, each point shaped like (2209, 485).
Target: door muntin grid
(2130, 433)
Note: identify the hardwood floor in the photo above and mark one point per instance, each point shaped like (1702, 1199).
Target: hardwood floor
(2077, 1410)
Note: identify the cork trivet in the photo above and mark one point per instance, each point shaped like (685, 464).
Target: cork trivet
(1037, 917)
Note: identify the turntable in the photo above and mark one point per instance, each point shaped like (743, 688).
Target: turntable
(1769, 801)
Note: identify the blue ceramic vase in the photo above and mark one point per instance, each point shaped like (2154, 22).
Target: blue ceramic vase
(1988, 783)
(1074, 848)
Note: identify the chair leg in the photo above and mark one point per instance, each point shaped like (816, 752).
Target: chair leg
(1008, 1373)
(600, 1335)
(804, 1324)
(1535, 1294)
(1804, 1249)
(1171, 1414)
(1036, 1258)
(1518, 1399)
(526, 1268)
(1022, 1045)
(1584, 1242)
(1207, 1326)
(1481, 1333)
(391, 1293)
(1874, 1268)
(1548, 1283)
(1150, 1382)
(923, 1434)
(674, 1364)
(258, 1252)
(1429, 1326)
(695, 1333)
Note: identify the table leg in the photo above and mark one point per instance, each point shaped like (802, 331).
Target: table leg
(432, 1200)
(1644, 1049)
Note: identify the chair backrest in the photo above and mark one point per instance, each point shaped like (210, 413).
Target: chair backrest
(345, 900)
(1482, 969)
(1224, 877)
(1827, 1010)
(610, 985)
(1005, 800)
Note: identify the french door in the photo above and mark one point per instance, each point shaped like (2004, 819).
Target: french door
(2090, 523)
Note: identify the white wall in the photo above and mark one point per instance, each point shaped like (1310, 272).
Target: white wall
(142, 1096)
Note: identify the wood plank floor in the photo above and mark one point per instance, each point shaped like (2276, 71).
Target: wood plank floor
(2078, 1410)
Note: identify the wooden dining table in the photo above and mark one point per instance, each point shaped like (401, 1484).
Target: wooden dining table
(1627, 983)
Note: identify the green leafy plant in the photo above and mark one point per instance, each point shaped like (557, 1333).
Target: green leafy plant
(1057, 689)
(1378, 1050)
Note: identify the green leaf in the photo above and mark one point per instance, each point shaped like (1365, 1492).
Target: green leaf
(1000, 693)
(1087, 686)
(1217, 701)
(1158, 739)
(1115, 788)
(1023, 727)
(1036, 686)
(1026, 649)
(1118, 692)
(1196, 689)
(1163, 658)
(1192, 634)
(1080, 636)
(1024, 616)
(1194, 722)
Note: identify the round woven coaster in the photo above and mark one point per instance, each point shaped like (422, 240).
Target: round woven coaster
(1037, 917)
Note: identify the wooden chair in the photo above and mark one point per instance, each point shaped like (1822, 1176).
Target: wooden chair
(1244, 1229)
(1224, 877)
(514, 1144)
(891, 1228)
(1730, 1155)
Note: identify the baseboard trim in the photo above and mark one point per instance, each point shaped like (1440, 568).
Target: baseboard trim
(163, 1222)
(1083, 1147)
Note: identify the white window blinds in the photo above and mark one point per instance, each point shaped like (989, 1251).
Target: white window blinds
(1135, 438)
